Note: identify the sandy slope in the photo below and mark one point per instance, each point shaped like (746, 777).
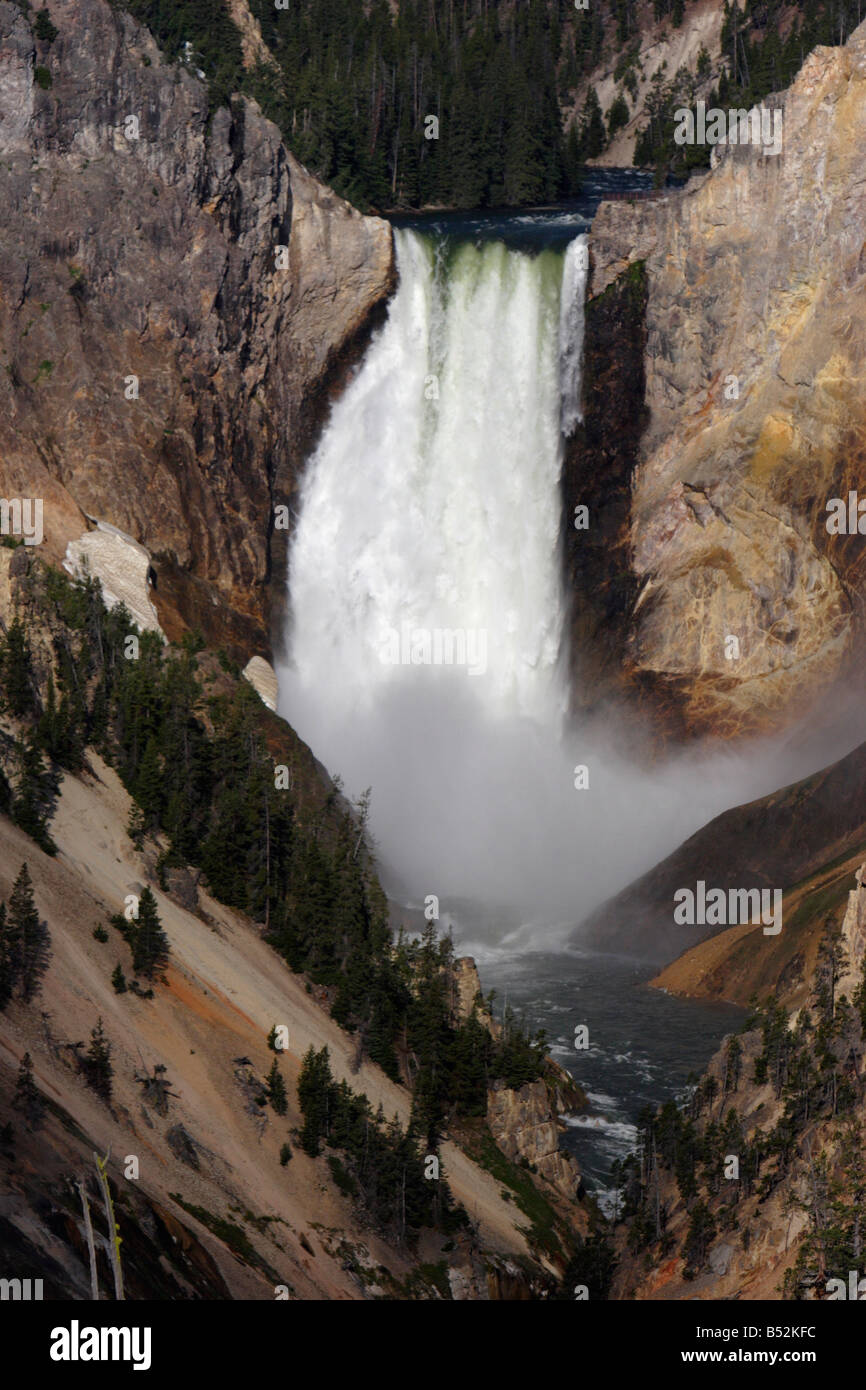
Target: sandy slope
(225, 988)
(661, 47)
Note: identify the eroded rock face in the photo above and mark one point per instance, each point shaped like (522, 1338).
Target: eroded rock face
(854, 936)
(524, 1125)
(755, 338)
(468, 997)
(163, 373)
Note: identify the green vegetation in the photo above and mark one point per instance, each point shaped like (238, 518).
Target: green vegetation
(231, 1234)
(96, 1064)
(277, 1090)
(354, 89)
(150, 948)
(591, 1267)
(201, 775)
(25, 943)
(214, 44)
(541, 1215)
(763, 52)
(43, 77)
(28, 1099)
(382, 1167)
(357, 90)
(43, 28)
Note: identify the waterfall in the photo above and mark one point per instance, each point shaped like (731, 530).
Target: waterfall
(571, 321)
(427, 618)
(432, 504)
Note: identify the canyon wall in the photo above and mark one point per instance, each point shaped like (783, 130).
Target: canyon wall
(754, 331)
(166, 364)
(776, 842)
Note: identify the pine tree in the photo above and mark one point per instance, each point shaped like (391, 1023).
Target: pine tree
(98, 1071)
(277, 1090)
(28, 1097)
(34, 941)
(150, 785)
(35, 794)
(593, 133)
(315, 1086)
(10, 958)
(150, 948)
(701, 1233)
(43, 28)
(15, 671)
(118, 979)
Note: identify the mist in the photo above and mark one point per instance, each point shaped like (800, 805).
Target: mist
(484, 810)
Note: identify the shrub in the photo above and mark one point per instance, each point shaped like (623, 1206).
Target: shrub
(43, 28)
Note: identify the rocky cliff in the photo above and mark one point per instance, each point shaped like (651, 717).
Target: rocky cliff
(525, 1125)
(177, 293)
(727, 599)
(737, 1205)
(525, 1122)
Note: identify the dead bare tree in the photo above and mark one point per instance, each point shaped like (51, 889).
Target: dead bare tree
(91, 1249)
(113, 1228)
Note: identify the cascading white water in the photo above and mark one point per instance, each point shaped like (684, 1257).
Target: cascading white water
(427, 614)
(432, 503)
(571, 322)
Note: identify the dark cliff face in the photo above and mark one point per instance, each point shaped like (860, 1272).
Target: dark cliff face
(140, 237)
(598, 469)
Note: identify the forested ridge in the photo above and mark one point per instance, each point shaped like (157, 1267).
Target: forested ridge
(473, 103)
(219, 784)
(764, 45)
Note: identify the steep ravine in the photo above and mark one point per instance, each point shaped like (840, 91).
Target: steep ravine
(215, 1192)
